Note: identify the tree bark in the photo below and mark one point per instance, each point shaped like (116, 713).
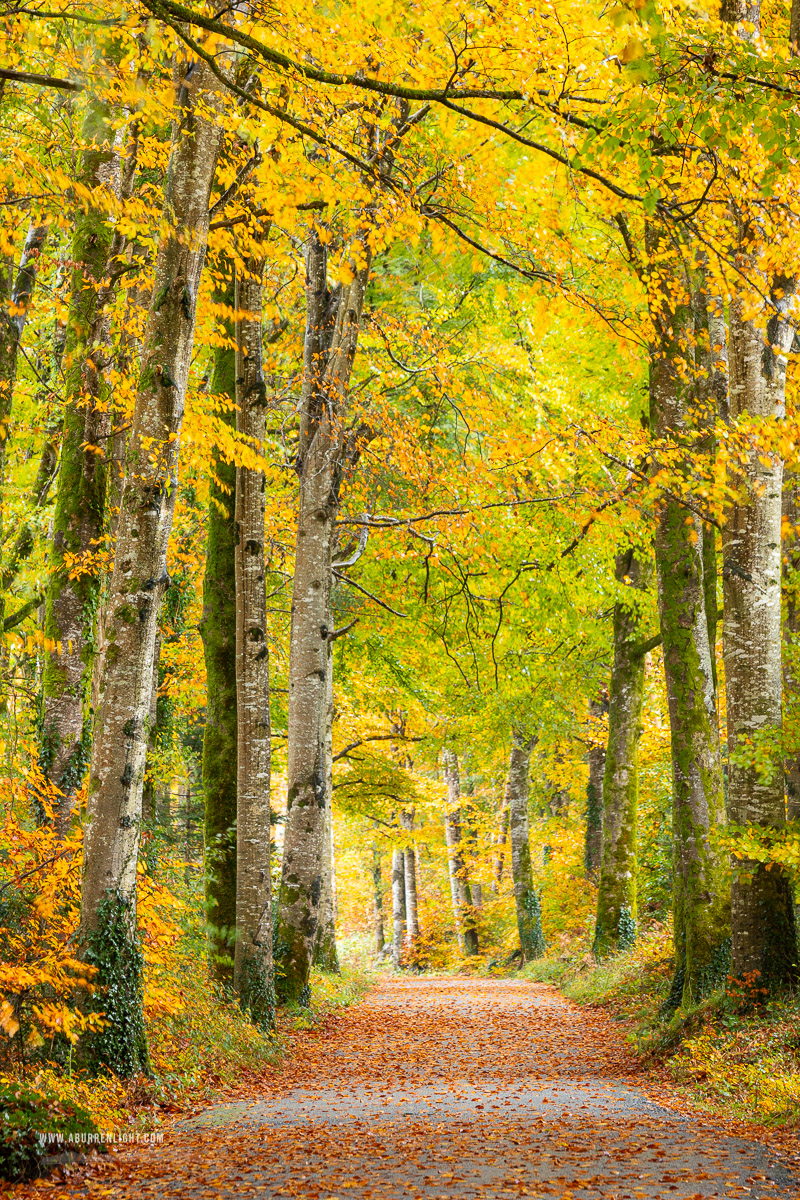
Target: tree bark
(332, 326)
(252, 975)
(377, 900)
(218, 630)
(410, 867)
(398, 907)
(596, 755)
(526, 899)
(108, 902)
(701, 906)
(466, 930)
(763, 921)
(616, 895)
(71, 602)
(325, 954)
(791, 641)
(500, 840)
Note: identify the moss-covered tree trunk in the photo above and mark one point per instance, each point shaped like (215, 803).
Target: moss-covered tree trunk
(596, 758)
(701, 899)
(616, 895)
(464, 916)
(253, 979)
(138, 580)
(332, 325)
(763, 921)
(218, 630)
(526, 899)
(791, 640)
(72, 598)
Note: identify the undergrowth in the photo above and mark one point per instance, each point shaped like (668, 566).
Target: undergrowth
(721, 1053)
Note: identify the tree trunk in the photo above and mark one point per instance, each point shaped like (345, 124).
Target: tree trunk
(108, 903)
(252, 974)
(501, 838)
(762, 919)
(398, 907)
(466, 931)
(596, 755)
(526, 900)
(701, 907)
(332, 326)
(218, 630)
(763, 929)
(325, 955)
(616, 895)
(377, 900)
(71, 603)
(15, 300)
(412, 907)
(791, 641)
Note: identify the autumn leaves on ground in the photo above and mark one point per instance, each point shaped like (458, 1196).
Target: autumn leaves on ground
(446, 1088)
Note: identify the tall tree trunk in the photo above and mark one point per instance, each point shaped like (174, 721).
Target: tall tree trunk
(410, 867)
(616, 895)
(252, 976)
(71, 601)
(791, 641)
(526, 900)
(332, 325)
(377, 900)
(596, 756)
(701, 907)
(763, 921)
(325, 955)
(763, 929)
(466, 930)
(15, 298)
(108, 902)
(218, 630)
(501, 837)
(398, 907)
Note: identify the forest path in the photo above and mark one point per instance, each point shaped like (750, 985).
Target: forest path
(450, 1088)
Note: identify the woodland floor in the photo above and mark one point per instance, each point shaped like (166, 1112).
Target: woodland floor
(451, 1088)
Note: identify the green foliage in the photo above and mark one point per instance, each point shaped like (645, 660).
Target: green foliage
(36, 1126)
(113, 948)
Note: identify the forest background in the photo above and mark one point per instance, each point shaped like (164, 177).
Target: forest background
(399, 528)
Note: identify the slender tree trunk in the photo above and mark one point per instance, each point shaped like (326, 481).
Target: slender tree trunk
(763, 920)
(616, 895)
(252, 976)
(398, 907)
(501, 838)
(15, 298)
(377, 899)
(684, 553)
(108, 902)
(332, 325)
(218, 630)
(466, 930)
(325, 955)
(410, 864)
(596, 755)
(526, 900)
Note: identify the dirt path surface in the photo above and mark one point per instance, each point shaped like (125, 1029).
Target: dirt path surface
(452, 1088)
